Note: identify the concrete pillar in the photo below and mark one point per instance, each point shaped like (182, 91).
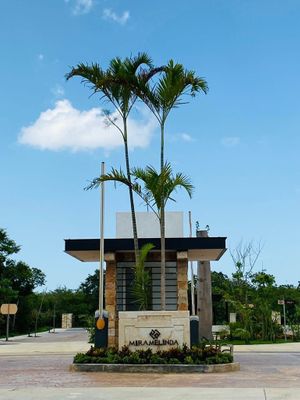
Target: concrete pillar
(111, 298)
(182, 281)
(232, 317)
(204, 296)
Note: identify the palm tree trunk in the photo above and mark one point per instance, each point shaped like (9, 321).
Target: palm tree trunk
(133, 217)
(163, 262)
(162, 145)
(162, 228)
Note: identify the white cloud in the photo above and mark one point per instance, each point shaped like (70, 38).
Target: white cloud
(230, 141)
(186, 137)
(109, 14)
(58, 91)
(65, 127)
(81, 6)
(177, 137)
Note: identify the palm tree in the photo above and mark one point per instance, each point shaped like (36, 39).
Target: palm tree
(167, 93)
(141, 285)
(148, 184)
(154, 184)
(156, 188)
(115, 85)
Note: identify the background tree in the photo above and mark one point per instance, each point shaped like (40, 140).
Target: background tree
(90, 289)
(17, 282)
(245, 257)
(221, 287)
(7, 248)
(263, 323)
(64, 301)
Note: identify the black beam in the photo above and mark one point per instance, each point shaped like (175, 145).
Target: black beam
(176, 244)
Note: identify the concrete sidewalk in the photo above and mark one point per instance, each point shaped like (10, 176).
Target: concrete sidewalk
(268, 372)
(46, 343)
(138, 393)
(268, 348)
(54, 343)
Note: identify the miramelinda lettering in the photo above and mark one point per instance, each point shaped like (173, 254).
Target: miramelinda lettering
(161, 342)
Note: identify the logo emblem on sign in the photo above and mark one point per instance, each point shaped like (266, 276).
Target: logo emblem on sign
(155, 334)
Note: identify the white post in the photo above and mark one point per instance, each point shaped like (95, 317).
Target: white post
(54, 317)
(101, 243)
(192, 271)
(7, 324)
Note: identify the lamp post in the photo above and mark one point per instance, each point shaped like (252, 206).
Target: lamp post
(101, 244)
(101, 328)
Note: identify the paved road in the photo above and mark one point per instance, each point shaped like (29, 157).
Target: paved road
(40, 367)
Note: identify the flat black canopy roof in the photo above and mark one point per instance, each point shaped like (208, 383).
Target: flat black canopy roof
(198, 248)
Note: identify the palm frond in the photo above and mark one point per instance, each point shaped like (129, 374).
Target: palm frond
(141, 287)
(119, 83)
(115, 176)
(156, 188)
(168, 91)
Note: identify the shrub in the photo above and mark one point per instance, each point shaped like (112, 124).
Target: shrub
(174, 361)
(156, 359)
(81, 358)
(222, 358)
(189, 360)
(224, 334)
(91, 328)
(243, 334)
(203, 354)
(210, 351)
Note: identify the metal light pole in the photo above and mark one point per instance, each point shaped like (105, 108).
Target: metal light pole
(101, 243)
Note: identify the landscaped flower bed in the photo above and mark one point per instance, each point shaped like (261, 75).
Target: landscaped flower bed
(205, 354)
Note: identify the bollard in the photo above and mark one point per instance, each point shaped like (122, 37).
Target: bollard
(194, 330)
(101, 330)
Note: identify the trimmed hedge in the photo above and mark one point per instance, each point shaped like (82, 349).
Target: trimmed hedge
(208, 354)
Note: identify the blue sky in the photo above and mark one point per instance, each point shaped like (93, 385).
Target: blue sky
(240, 143)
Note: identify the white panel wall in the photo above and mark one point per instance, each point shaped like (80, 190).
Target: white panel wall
(148, 225)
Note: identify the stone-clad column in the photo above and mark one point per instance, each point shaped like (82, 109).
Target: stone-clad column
(204, 296)
(111, 298)
(182, 281)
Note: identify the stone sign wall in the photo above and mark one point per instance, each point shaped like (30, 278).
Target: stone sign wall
(158, 330)
(66, 321)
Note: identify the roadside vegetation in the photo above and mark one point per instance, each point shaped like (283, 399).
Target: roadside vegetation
(253, 296)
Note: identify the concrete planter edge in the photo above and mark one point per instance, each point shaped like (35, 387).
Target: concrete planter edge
(156, 368)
